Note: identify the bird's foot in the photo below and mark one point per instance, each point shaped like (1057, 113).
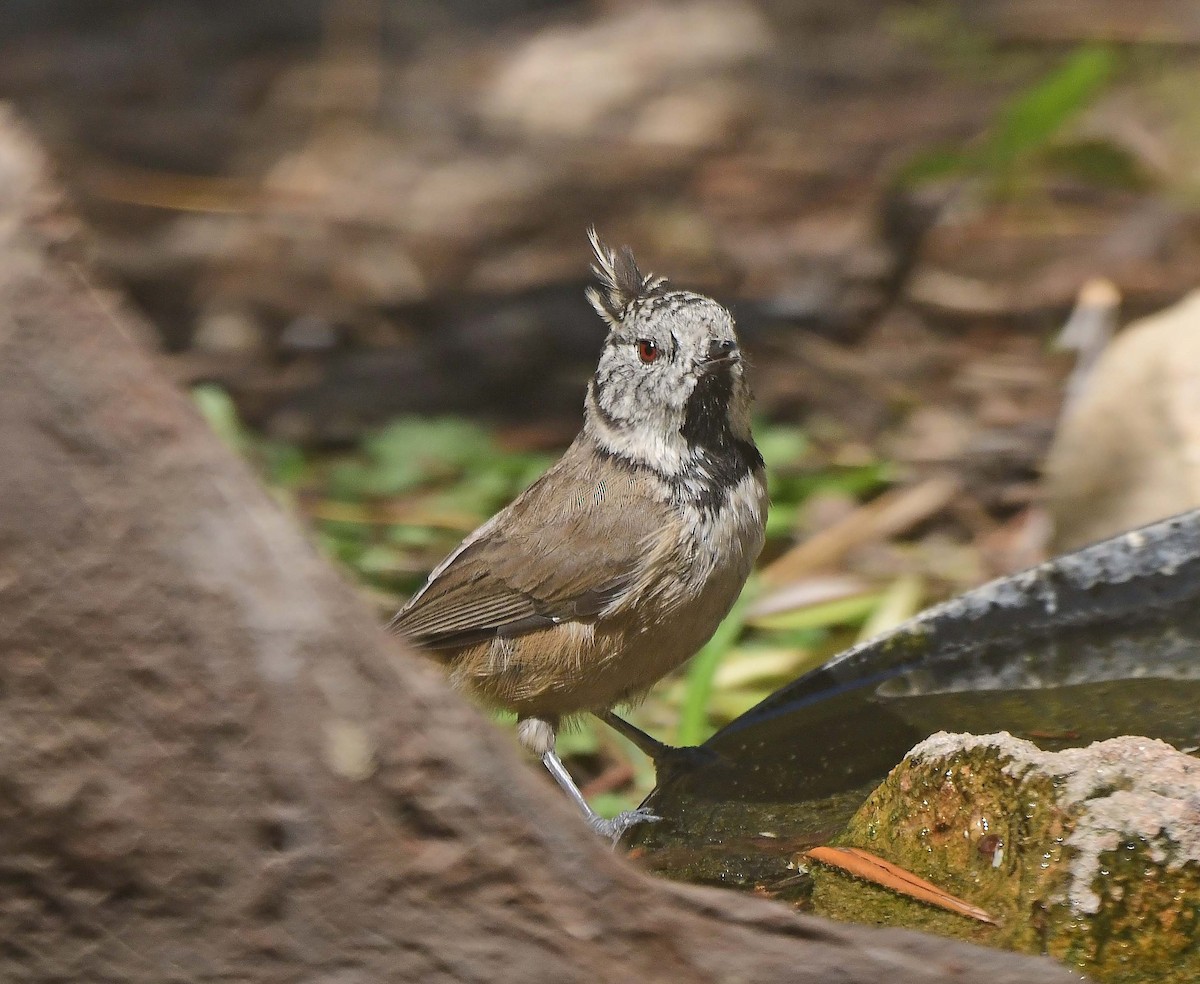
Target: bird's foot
(614, 829)
(674, 760)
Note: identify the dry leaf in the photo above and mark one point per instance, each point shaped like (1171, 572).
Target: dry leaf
(893, 512)
(808, 591)
(385, 513)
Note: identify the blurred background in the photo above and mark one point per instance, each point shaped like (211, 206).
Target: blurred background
(357, 229)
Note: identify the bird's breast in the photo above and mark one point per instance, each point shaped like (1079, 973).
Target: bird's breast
(692, 577)
(726, 539)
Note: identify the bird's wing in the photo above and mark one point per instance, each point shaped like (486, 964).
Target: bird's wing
(563, 551)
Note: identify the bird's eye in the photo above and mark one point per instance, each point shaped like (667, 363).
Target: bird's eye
(647, 350)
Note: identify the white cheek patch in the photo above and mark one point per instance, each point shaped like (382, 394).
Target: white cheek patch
(631, 418)
(666, 454)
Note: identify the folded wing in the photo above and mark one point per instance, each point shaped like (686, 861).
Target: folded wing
(563, 551)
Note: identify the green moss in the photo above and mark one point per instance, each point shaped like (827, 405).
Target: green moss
(1147, 927)
(999, 842)
(949, 825)
(714, 847)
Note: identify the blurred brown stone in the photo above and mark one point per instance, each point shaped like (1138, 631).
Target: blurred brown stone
(1127, 451)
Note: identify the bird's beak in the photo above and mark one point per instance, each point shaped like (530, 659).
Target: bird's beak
(721, 352)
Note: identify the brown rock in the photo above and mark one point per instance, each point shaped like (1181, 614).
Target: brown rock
(1127, 451)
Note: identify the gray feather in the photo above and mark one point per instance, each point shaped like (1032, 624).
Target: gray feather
(563, 551)
(621, 282)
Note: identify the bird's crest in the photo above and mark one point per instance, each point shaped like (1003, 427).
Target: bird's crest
(621, 282)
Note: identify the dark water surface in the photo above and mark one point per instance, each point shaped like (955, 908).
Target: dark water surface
(1098, 643)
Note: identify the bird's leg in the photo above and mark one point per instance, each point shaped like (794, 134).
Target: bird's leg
(612, 829)
(537, 735)
(667, 759)
(651, 747)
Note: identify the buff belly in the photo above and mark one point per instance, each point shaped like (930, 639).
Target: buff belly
(577, 667)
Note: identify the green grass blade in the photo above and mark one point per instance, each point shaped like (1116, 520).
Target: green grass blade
(693, 725)
(1029, 122)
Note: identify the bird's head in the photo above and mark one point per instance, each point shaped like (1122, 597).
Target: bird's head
(670, 387)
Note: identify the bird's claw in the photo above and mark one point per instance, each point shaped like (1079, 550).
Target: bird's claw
(613, 829)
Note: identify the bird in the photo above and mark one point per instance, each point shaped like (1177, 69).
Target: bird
(616, 565)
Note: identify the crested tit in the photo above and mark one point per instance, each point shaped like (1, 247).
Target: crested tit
(618, 564)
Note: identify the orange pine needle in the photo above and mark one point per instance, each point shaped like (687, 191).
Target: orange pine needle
(872, 868)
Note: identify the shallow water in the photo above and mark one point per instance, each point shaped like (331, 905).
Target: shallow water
(1102, 642)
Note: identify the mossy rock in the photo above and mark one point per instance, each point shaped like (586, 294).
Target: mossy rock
(1091, 855)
